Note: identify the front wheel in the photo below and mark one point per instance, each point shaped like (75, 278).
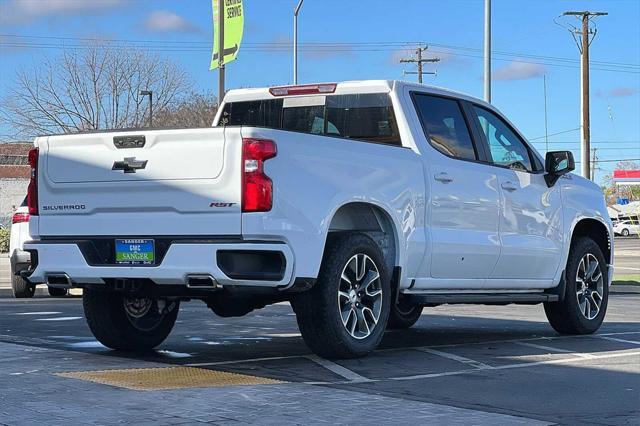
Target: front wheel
(345, 314)
(625, 232)
(586, 296)
(128, 323)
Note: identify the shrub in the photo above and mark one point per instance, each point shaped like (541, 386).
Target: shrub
(4, 240)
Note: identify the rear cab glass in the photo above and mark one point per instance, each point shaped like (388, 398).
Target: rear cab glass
(366, 117)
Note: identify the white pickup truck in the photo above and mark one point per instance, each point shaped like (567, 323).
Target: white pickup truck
(358, 202)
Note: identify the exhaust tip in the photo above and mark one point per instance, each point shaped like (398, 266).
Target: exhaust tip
(202, 281)
(58, 281)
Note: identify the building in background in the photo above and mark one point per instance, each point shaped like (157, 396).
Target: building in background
(14, 177)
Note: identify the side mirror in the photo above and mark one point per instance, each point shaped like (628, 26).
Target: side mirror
(556, 164)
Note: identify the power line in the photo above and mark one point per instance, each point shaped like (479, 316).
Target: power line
(197, 46)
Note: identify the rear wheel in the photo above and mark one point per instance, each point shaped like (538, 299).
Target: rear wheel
(404, 315)
(128, 323)
(625, 232)
(57, 292)
(345, 314)
(586, 292)
(21, 288)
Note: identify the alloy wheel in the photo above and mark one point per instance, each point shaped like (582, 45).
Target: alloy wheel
(360, 296)
(589, 286)
(146, 314)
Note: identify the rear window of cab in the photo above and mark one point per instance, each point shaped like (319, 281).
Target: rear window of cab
(367, 117)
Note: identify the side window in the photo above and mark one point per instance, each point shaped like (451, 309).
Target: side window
(445, 126)
(506, 148)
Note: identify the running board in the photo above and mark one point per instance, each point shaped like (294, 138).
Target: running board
(480, 298)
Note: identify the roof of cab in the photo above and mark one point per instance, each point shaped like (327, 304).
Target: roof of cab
(350, 87)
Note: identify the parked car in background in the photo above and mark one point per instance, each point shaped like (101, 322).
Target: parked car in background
(358, 202)
(627, 227)
(19, 258)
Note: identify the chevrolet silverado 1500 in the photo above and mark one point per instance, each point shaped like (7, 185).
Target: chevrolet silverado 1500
(359, 202)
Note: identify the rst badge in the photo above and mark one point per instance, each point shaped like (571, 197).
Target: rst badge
(219, 204)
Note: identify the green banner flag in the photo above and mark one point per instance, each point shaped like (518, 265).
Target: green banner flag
(233, 28)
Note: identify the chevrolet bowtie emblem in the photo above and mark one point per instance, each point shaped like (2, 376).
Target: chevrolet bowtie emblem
(129, 165)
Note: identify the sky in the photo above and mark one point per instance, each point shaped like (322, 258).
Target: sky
(365, 39)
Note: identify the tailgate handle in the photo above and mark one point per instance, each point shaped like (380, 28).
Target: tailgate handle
(124, 142)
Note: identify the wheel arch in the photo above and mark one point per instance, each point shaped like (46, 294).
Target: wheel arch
(597, 231)
(373, 220)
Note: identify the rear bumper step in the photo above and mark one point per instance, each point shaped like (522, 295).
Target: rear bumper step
(481, 298)
(196, 265)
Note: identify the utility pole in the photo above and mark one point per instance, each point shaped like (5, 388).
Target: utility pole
(419, 60)
(594, 165)
(221, 90)
(583, 46)
(295, 41)
(149, 93)
(487, 50)
(546, 127)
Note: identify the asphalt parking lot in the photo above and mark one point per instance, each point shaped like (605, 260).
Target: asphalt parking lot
(457, 365)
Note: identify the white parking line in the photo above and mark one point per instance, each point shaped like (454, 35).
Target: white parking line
(512, 366)
(59, 319)
(552, 349)
(454, 357)
(614, 339)
(241, 361)
(352, 376)
(626, 267)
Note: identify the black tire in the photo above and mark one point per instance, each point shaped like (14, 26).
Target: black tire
(567, 317)
(318, 310)
(21, 288)
(625, 232)
(114, 327)
(403, 315)
(57, 292)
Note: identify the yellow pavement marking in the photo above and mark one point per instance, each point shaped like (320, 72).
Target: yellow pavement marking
(167, 378)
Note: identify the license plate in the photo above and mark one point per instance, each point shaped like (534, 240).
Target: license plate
(135, 252)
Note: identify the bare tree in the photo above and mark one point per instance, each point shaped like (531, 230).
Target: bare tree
(194, 110)
(97, 87)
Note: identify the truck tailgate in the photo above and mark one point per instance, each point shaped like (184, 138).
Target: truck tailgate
(140, 183)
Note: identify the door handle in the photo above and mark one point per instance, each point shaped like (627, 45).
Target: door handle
(509, 186)
(443, 177)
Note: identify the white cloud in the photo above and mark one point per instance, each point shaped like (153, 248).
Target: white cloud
(17, 12)
(516, 70)
(619, 92)
(165, 21)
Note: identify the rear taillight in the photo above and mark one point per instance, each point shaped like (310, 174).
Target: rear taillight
(32, 191)
(20, 218)
(257, 188)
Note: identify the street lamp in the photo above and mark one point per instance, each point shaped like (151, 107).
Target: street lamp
(150, 94)
(295, 41)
